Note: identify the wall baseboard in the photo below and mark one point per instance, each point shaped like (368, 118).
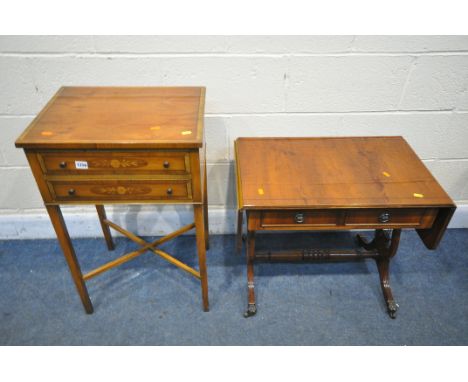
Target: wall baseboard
(143, 221)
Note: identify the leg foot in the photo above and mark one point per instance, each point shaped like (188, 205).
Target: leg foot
(251, 310)
(392, 308)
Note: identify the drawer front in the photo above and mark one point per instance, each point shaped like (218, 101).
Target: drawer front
(344, 219)
(299, 218)
(412, 217)
(77, 162)
(118, 190)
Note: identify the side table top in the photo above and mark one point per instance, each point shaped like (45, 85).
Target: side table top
(119, 117)
(332, 173)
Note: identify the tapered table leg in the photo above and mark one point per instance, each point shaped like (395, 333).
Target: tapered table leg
(205, 210)
(201, 249)
(251, 307)
(63, 237)
(105, 228)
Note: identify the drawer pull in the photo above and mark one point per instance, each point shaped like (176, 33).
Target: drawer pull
(63, 164)
(71, 191)
(166, 164)
(169, 191)
(384, 217)
(299, 218)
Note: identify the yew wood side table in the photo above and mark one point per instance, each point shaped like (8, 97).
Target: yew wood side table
(121, 145)
(316, 184)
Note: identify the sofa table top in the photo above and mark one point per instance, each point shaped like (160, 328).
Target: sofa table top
(338, 172)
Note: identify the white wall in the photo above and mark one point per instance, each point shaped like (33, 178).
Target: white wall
(256, 86)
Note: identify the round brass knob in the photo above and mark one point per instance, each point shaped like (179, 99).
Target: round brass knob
(166, 164)
(63, 164)
(169, 191)
(71, 191)
(384, 217)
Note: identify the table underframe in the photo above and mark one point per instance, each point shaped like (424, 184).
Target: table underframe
(382, 248)
(200, 225)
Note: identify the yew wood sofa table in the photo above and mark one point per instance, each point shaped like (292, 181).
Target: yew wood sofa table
(317, 184)
(121, 145)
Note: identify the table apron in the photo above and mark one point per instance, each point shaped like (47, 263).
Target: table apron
(341, 219)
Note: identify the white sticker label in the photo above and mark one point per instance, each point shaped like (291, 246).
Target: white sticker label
(81, 165)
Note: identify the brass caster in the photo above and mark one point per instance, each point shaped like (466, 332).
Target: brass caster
(251, 310)
(392, 309)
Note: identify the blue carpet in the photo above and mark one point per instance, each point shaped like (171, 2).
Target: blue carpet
(149, 302)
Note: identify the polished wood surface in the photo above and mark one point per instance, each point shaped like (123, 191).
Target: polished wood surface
(105, 228)
(113, 117)
(347, 218)
(96, 190)
(122, 146)
(63, 237)
(386, 247)
(61, 162)
(334, 172)
(314, 184)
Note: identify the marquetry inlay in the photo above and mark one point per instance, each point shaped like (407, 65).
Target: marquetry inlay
(118, 163)
(121, 190)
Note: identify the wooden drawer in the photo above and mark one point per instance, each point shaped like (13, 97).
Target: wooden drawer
(344, 219)
(118, 190)
(89, 162)
(413, 217)
(298, 218)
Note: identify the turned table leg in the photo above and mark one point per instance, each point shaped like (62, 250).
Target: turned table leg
(386, 248)
(252, 307)
(105, 228)
(64, 239)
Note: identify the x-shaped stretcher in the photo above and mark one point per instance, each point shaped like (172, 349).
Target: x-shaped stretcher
(145, 247)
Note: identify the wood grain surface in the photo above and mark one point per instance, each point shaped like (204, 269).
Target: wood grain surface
(345, 172)
(113, 117)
